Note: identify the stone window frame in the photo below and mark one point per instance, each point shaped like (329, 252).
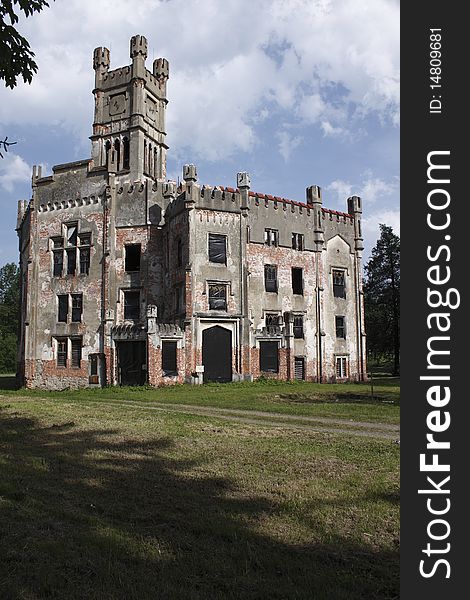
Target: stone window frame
(296, 328)
(273, 269)
(298, 241)
(340, 327)
(173, 372)
(262, 345)
(271, 237)
(215, 234)
(123, 292)
(297, 284)
(62, 251)
(68, 354)
(222, 284)
(337, 293)
(341, 366)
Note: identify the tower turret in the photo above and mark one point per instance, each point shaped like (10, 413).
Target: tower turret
(130, 106)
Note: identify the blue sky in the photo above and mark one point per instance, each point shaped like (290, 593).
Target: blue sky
(296, 92)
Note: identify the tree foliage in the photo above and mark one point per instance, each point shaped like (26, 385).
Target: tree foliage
(9, 315)
(16, 56)
(382, 297)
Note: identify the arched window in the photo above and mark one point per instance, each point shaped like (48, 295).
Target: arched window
(107, 148)
(117, 148)
(125, 146)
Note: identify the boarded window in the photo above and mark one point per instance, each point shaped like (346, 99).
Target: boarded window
(299, 327)
(268, 357)
(271, 237)
(270, 278)
(62, 353)
(169, 365)
(132, 305)
(93, 360)
(71, 261)
(298, 241)
(217, 296)
(77, 306)
(340, 327)
(299, 367)
(341, 367)
(339, 284)
(217, 248)
(297, 281)
(63, 308)
(76, 352)
(132, 261)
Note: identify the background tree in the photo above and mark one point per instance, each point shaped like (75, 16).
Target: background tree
(16, 56)
(382, 297)
(9, 315)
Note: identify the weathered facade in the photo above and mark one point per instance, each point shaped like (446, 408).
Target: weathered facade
(128, 278)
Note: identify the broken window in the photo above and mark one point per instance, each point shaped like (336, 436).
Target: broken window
(268, 357)
(58, 257)
(298, 327)
(297, 281)
(62, 352)
(340, 327)
(270, 278)
(217, 296)
(132, 305)
(169, 365)
(217, 248)
(77, 306)
(298, 241)
(132, 259)
(341, 367)
(339, 284)
(271, 237)
(63, 308)
(272, 320)
(76, 352)
(84, 253)
(71, 261)
(72, 234)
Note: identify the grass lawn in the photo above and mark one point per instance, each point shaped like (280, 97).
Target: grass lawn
(101, 502)
(340, 401)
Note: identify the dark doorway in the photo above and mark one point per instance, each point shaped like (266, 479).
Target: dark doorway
(217, 354)
(132, 361)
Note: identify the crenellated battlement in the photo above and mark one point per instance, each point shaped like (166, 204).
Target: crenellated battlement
(71, 203)
(117, 77)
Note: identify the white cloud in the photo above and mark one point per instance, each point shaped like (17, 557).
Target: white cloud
(322, 62)
(13, 170)
(287, 144)
(371, 189)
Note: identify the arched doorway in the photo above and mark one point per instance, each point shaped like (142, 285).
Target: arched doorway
(217, 354)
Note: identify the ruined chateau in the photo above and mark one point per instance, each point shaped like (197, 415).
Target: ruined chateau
(129, 279)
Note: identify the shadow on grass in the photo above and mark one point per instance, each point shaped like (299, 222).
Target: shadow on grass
(8, 382)
(89, 514)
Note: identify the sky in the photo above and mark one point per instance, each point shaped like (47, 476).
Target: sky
(296, 92)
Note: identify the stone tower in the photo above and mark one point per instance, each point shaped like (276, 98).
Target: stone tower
(129, 121)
